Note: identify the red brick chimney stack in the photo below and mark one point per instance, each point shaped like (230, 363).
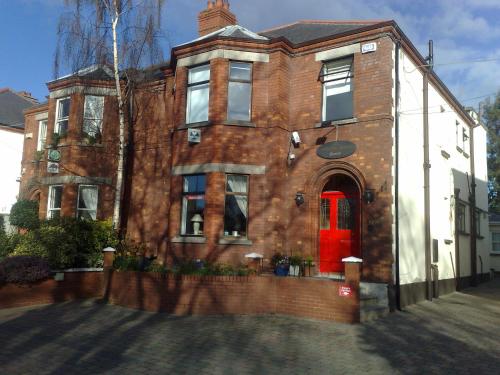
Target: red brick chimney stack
(215, 17)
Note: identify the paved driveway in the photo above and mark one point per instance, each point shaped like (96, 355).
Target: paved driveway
(457, 334)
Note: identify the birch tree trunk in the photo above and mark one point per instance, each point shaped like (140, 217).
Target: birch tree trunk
(121, 143)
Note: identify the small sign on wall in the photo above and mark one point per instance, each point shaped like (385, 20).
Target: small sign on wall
(194, 135)
(52, 167)
(369, 47)
(345, 291)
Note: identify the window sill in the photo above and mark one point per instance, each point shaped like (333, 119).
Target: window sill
(235, 241)
(463, 233)
(83, 144)
(496, 254)
(466, 155)
(459, 149)
(201, 124)
(188, 239)
(246, 124)
(347, 121)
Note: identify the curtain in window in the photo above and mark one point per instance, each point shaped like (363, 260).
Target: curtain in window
(238, 184)
(93, 113)
(88, 200)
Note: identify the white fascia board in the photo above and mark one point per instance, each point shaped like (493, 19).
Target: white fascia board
(42, 116)
(339, 52)
(78, 89)
(224, 54)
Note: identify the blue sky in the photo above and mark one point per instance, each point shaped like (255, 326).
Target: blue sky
(462, 30)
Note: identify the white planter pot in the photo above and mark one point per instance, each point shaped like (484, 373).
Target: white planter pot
(294, 271)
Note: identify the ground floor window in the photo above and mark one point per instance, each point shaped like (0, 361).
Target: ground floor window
(193, 204)
(236, 206)
(495, 242)
(87, 202)
(54, 202)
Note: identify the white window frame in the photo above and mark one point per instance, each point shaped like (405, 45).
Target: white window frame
(61, 119)
(244, 194)
(327, 79)
(247, 82)
(98, 120)
(78, 209)
(190, 88)
(184, 207)
(50, 199)
(42, 135)
(493, 242)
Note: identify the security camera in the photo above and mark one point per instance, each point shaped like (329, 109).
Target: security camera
(291, 156)
(296, 138)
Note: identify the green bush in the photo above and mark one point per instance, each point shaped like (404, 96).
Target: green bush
(24, 269)
(24, 214)
(126, 263)
(8, 243)
(68, 242)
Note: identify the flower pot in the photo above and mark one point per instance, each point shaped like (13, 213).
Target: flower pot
(281, 270)
(294, 271)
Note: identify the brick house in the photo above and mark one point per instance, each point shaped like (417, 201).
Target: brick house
(305, 138)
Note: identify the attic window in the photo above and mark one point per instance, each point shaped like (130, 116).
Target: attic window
(337, 79)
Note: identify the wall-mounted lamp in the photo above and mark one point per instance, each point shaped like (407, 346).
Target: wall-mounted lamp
(295, 139)
(369, 195)
(299, 198)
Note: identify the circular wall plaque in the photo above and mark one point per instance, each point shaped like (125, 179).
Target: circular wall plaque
(336, 150)
(54, 155)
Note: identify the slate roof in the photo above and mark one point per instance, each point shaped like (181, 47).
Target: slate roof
(11, 108)
(308, 31)
(93, 72)
(232, 31)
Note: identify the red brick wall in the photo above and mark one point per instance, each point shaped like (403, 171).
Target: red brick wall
(197, 295)
(75, 286)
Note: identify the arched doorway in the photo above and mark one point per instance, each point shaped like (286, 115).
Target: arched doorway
(339, 224)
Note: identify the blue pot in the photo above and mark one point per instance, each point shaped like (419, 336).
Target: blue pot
(281, 270)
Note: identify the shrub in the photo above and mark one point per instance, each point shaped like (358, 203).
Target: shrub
(25, 269)
(156, 267)
(8, 243)
(24, 214)
(126, 263)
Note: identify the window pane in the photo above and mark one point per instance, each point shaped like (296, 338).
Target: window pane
(495, 237)
(55, 196)
(197, 103)
(199, 74)
(496, 247)
(237, 184)
(194, 184)
(63, 108)
(94, 106)
(87, 197)
(239, 101)
(240, 71)
(193, 206)
(42, 135)
(345, 213)
(235, 215)
(324, 221)
(338, 106)
(337, 90)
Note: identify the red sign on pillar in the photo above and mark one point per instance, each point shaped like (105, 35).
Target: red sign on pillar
(345, 291)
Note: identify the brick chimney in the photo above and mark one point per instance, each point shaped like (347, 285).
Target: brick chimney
(215, 17)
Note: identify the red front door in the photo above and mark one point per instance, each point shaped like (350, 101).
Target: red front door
(339, 229)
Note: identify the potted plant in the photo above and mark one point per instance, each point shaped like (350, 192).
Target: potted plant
(280, 264)
(295, 262)
(309, 262)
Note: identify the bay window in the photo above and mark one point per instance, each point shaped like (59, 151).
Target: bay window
(87, 202)
(62, 116)
(239, 91)
(236, 206)
(337, 78)
(54, 202)
(193, 205)
(198, 94)
(92, 116)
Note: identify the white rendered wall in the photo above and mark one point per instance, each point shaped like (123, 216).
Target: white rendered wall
(11, 152)
(450, 169)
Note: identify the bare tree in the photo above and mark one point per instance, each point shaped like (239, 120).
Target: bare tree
(121, 34)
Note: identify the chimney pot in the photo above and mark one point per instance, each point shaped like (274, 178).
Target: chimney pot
(215, 17)
(210, 4)
(219, 3)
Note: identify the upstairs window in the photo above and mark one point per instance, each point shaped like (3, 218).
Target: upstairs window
(239, 91)
(236, 206)
(337, 78)
(198, 94)
(42, 135)
(495, 242)
(54, 202)
(193, 205)
(92, 116)
(62, 116)
(87, 202)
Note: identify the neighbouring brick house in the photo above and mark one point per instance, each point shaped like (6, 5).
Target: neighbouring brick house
(307, 137)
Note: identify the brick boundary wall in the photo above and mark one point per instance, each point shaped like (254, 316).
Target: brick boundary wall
(76, 285)
(195, 295)
(206, 295)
